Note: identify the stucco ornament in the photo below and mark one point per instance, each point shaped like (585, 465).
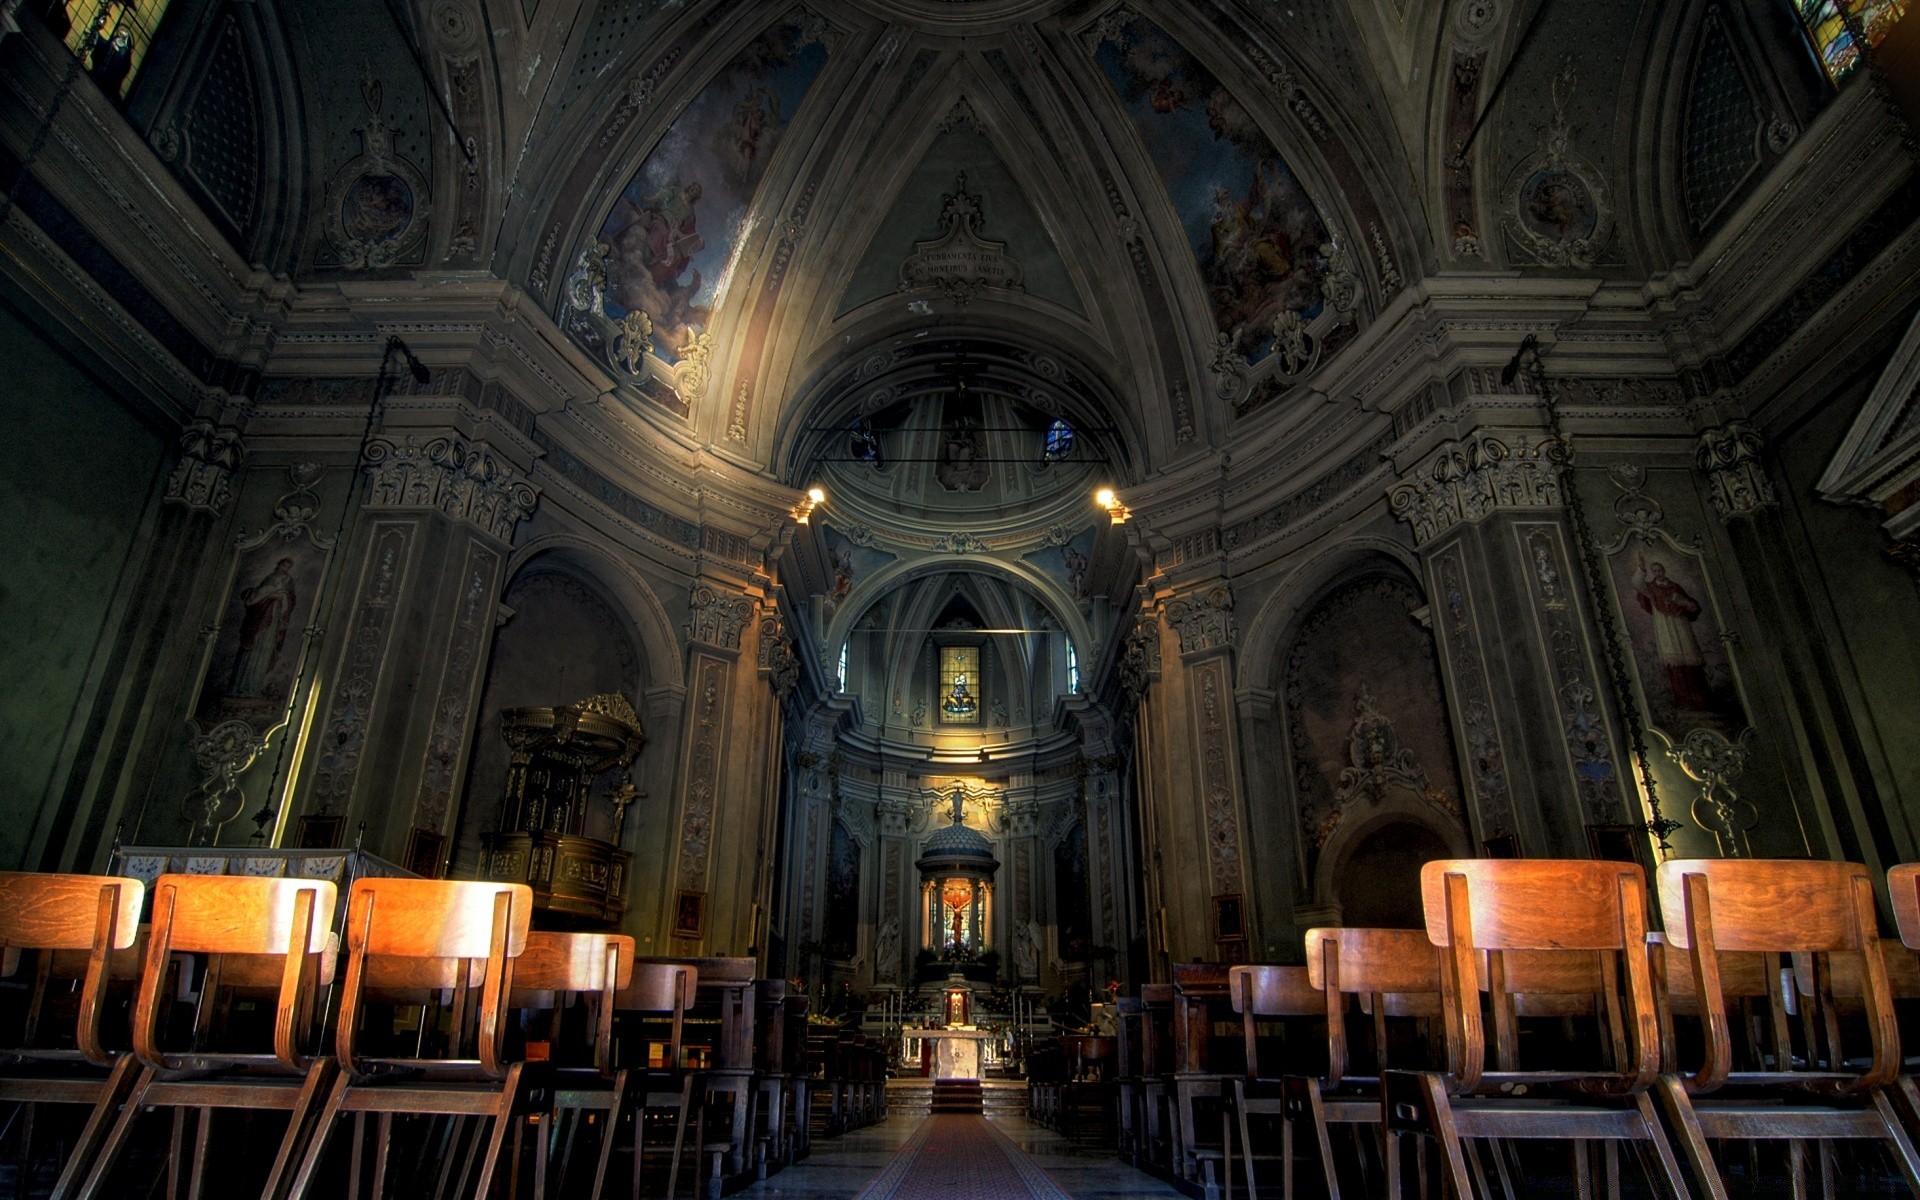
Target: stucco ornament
(1560, 214)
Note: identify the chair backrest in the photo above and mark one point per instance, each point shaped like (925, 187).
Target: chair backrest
(1396, 970)
(97, 914)
(1505, 905)
(1903, 888)
(1270, 991)
(593, 965)
(1774, 907)
(267, 926)
(662, 989)
(447, 928)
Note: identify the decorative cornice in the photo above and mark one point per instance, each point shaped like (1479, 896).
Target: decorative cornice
(1464, 482)
(463, 480)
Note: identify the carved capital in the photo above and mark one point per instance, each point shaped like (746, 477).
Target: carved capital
(1737, 483)
(1204, 620)
(465, 481)
(1140, 660)
(1467, 481)
(209, 457)
(718, 618)
(779, 665)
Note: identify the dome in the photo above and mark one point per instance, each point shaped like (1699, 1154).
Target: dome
(957, 841)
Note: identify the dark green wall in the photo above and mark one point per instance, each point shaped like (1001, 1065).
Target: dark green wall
(78, 471)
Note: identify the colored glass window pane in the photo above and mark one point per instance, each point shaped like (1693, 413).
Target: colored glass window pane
(1059, 442)
(960, 685)
(113, 37)
(1833, 39)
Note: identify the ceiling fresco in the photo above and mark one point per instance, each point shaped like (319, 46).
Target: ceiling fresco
(667, 248)
(1261, 242)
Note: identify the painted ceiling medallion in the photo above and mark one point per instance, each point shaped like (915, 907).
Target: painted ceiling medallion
(1561, 215)
(376, 207)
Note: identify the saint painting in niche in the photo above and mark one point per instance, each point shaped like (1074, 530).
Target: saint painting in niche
(268, 611)
(1674, 612)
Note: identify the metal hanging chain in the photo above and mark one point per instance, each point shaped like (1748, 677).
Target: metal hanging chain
(45, 131)
(1527, 359)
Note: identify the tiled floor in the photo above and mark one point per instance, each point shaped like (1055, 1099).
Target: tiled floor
(840, 1167)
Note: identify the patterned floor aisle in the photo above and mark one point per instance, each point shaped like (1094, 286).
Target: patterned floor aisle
(951, 1156)
(1026, 1160)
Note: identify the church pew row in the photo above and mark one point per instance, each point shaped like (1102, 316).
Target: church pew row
(418, 1038)
(1537, 1028)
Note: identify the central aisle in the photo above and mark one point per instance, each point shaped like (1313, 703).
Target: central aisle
(910, 1156)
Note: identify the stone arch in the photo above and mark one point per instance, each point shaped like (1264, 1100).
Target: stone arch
(1275, 622)
(632, 595)
(1362, 714)
(1347, 859)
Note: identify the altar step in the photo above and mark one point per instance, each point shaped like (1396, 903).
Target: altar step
(915, 1094)
(957, 1096)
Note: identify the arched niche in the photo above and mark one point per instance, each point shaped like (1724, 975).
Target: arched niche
(1368, 740)
(564, 639)
(1375, 871)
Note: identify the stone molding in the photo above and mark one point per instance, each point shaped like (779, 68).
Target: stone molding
(209, 457)
(1203, 619)
(464, 480)
(1466, 481)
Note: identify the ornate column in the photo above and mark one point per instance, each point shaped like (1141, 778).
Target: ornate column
(1532, 725)
(1201, 817)
(413, 616)
(729, 730)
(1737, 483)
(893, 819)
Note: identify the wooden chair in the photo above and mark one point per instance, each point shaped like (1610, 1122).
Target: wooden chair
(1161, 1125)
(1395, 973)
(659, 996)
(551, 971)
(1596, 911)
(799, 1072)
(1774, 908)
(1202, 1067)
(85, 930)
(767, 1118)
(1261, 993)
(410, 938)
(259, 936)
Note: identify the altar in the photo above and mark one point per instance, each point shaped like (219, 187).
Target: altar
(956, 1052)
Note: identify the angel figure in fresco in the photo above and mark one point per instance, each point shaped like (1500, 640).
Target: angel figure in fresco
(267, 611)
(842, 574)
(1674, 612)
(748, 137)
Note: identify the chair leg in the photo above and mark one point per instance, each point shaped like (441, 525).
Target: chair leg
(1440, 1113)
(87, 1186)
(382, 1148)
(639, 1143)
(1903, 1151)
(679, 1137)
(317, 1144)
(297, 1127)
(1693, 1140)
(509, 1092)
(1662, 1153)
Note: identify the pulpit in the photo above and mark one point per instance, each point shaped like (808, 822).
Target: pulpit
(557, 754)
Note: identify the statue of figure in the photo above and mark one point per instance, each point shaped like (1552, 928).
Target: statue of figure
(886, 957)
(1026, 954)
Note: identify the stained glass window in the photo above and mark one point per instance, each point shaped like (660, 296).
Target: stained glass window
(960, 685)
(1059, 441)
(111, 36)
(1834, 42)
(1073, 669)
(845, 654)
